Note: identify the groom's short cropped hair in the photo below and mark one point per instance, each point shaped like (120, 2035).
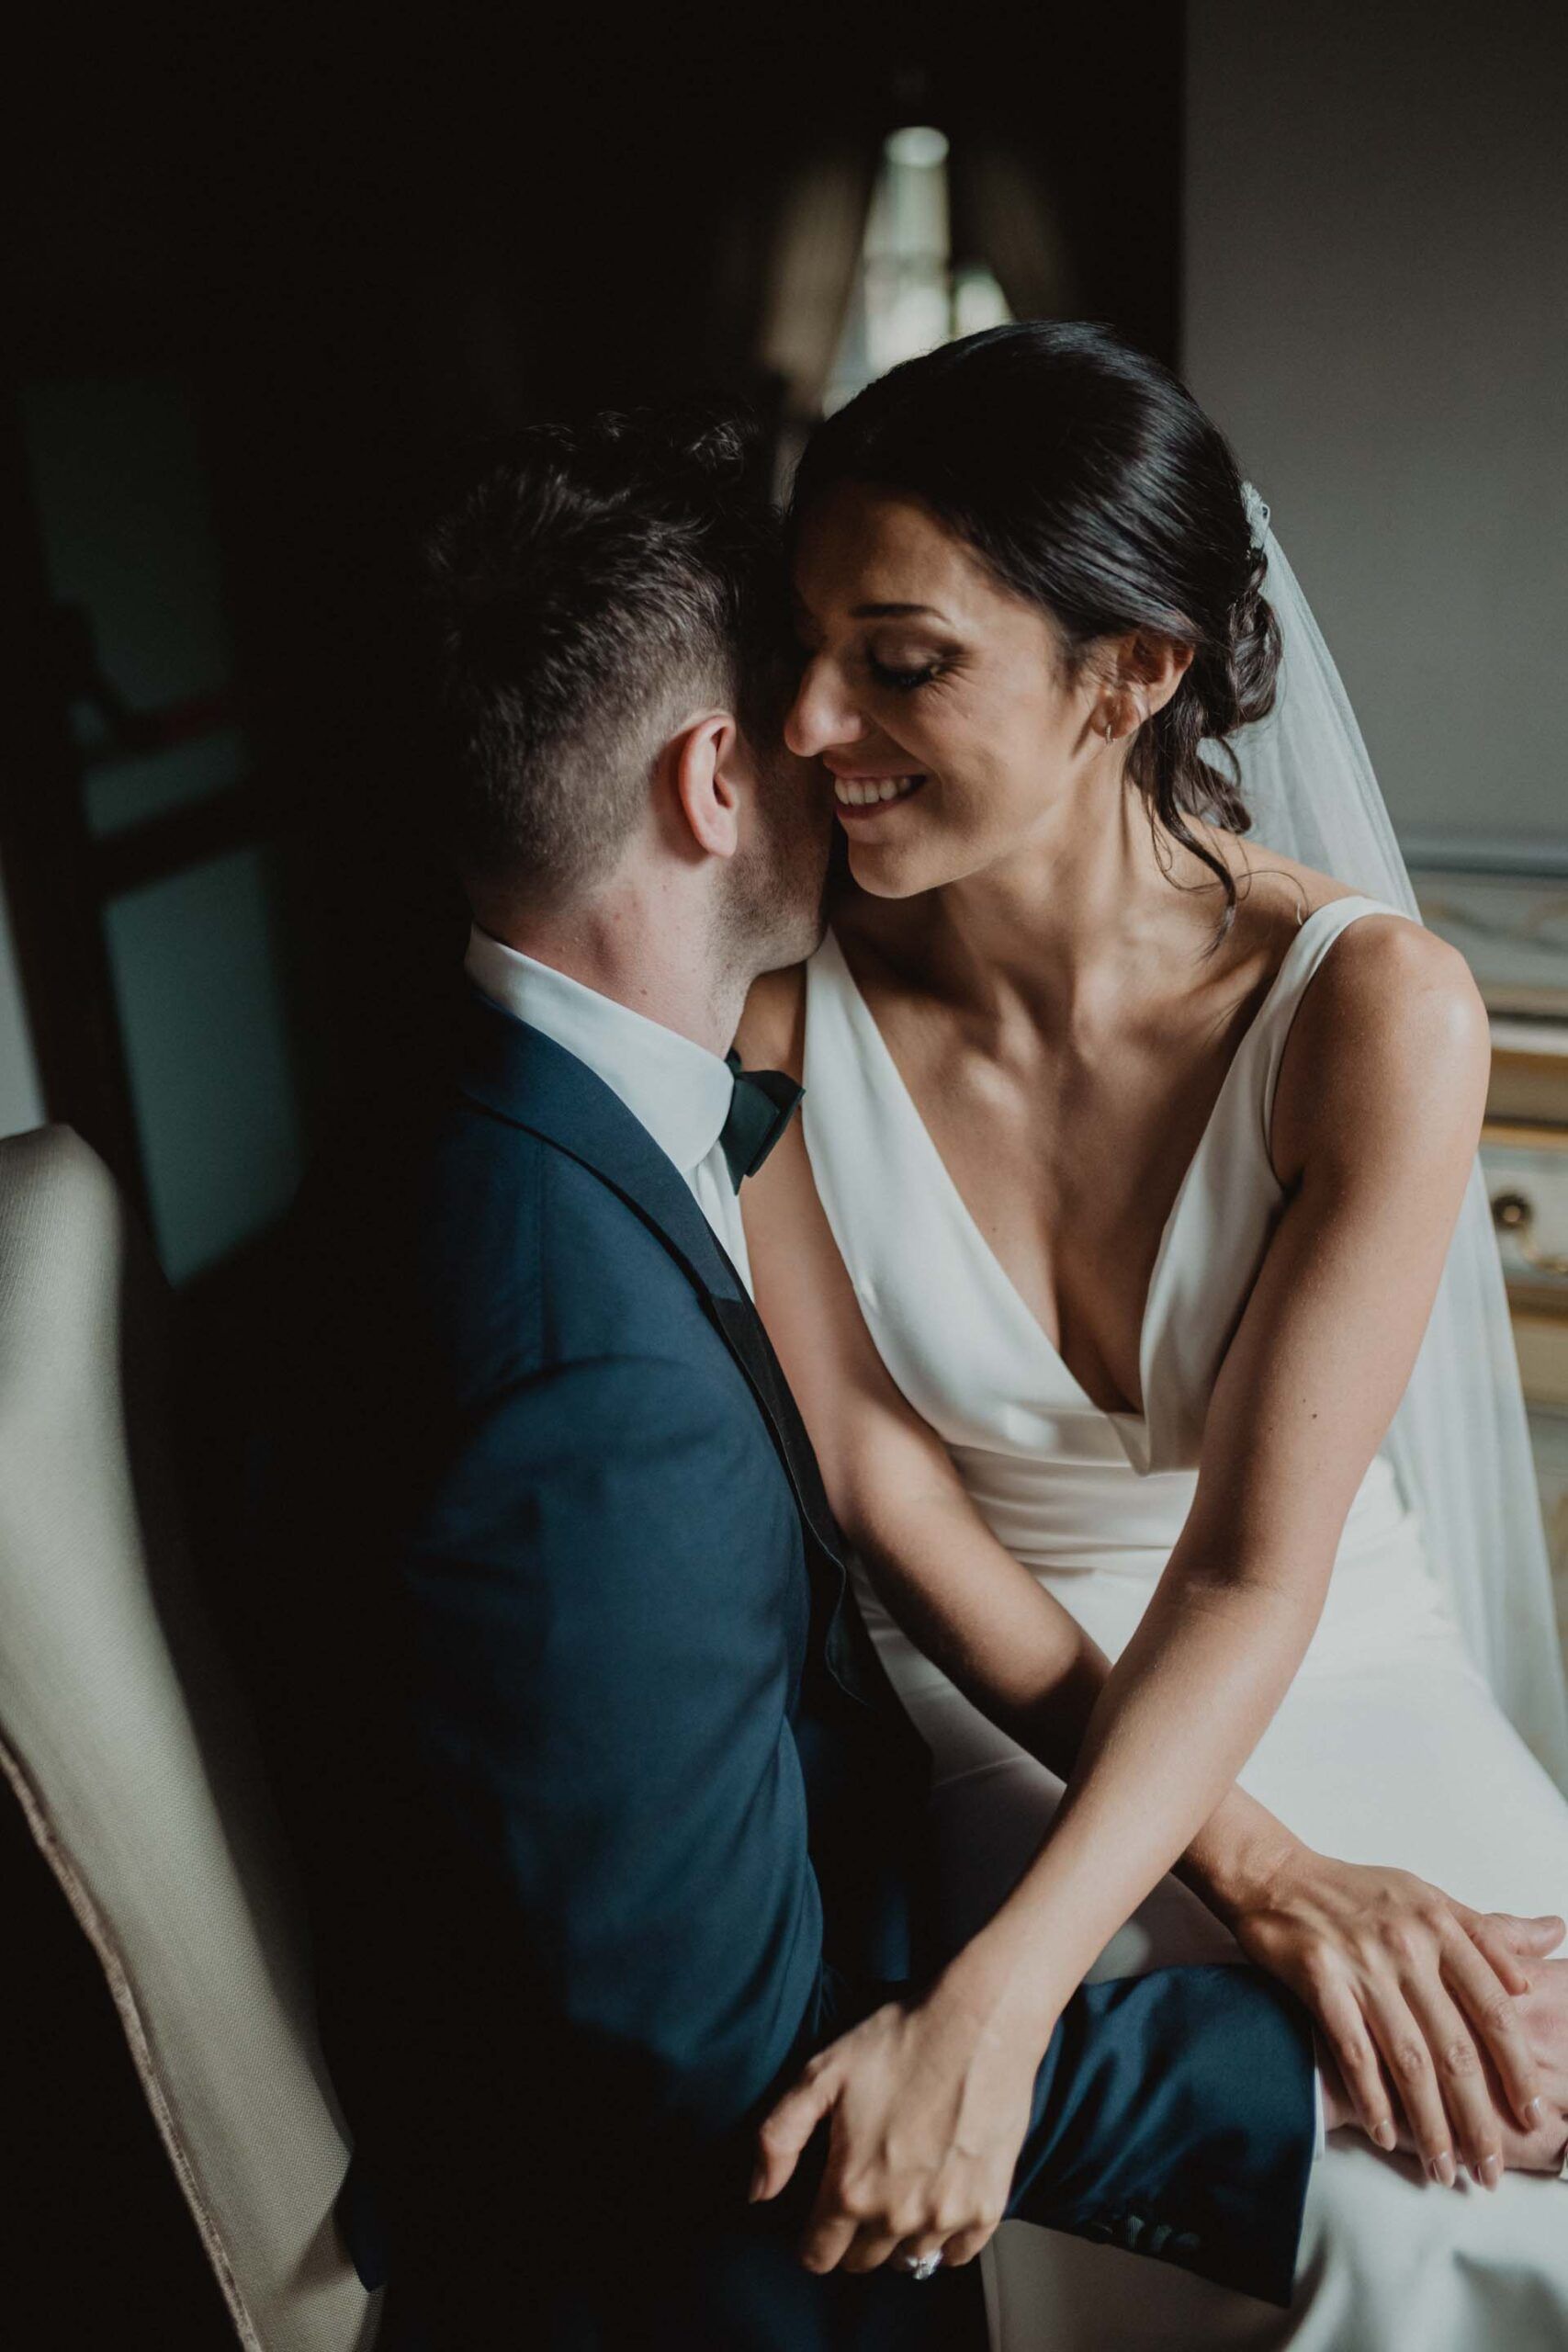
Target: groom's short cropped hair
(587, 588)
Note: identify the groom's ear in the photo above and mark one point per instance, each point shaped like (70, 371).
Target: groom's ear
(711, 774)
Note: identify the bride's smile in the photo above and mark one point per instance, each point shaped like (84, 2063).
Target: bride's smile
(862, 796)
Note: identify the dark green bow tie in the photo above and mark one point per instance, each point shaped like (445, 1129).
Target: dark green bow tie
(763, 1103)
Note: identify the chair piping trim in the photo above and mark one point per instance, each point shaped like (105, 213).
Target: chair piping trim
(96, 1928)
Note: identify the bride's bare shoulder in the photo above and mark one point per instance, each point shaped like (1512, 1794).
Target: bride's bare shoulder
(1390, 981)
(771, 1034)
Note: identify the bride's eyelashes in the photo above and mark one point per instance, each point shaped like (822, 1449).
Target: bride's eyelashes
(902, 681)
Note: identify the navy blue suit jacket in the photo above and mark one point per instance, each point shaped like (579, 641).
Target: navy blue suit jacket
(607, 1811)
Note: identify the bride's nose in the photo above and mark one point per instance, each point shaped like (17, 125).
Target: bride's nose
(822, 715)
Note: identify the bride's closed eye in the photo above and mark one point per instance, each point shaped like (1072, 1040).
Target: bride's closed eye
(902, 681)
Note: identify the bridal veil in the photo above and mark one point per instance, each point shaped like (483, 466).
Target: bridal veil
(1459, 1445)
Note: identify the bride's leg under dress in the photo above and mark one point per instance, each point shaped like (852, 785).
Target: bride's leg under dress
(1388, 1749)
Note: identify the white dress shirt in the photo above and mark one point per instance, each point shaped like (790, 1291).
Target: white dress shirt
(678, 1090)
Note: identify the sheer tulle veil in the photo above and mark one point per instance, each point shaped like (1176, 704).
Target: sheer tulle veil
(1459, 1443)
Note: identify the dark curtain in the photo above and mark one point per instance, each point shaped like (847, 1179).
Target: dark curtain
(1006, 214)
(819, 219)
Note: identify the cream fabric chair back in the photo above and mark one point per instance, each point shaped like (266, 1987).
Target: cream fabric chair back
(124, 1740)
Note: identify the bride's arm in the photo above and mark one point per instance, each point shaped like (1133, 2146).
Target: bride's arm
(1378, 1109)
(1150, 1750)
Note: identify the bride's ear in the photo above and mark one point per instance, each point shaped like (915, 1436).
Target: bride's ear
(709, 773)
(1145, 670)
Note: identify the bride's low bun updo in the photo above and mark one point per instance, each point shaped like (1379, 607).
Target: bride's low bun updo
(1091, 482)
(1251, 657)
(1232, 682)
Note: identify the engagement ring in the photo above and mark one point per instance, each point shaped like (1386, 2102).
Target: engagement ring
(922, 2265)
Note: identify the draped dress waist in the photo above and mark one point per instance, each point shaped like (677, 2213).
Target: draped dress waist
(1081, 1509)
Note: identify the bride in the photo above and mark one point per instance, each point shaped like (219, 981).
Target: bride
(1130, 1160)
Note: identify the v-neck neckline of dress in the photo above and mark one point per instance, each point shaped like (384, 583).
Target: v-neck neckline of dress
(968, 1223)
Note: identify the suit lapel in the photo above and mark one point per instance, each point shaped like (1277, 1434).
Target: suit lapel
(748, 1343)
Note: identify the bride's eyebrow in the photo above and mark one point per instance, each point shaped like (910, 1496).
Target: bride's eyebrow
(891, 612)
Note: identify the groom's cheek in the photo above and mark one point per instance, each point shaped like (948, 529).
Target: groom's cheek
(803, 828)
(809, 790)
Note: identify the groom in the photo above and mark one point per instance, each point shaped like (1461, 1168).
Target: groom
(608, 1817)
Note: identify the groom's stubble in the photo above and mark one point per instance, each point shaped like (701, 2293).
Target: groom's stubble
(774, 909)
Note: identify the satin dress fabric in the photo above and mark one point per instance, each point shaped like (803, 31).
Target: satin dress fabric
(1389, 1748)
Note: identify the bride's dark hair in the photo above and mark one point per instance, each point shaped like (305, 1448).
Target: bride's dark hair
(1091, 482)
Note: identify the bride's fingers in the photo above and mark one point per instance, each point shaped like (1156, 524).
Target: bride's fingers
(1535, 1939)
(868, 2249)
(1345, 2030)
(1461, 2078)
(1490, 1936)
(1510, 1942)
(830, 2230)
(1403, 2050)
(910, 2250)
(1476, 1988)
(784, 2133)
(968, 2244)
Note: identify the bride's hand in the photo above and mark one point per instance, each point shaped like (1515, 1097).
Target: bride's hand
(927, 2104)
(1409, 1988)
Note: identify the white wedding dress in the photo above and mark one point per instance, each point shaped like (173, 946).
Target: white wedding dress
(1387, 1748)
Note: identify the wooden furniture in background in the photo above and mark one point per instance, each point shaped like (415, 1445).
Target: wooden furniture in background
(1512, 927)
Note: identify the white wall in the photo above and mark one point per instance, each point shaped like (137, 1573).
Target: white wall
(21, 1101)
(1377, 313)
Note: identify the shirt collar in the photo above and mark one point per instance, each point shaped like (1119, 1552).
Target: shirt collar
(680, 1092)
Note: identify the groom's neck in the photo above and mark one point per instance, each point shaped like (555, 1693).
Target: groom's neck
(647, 946)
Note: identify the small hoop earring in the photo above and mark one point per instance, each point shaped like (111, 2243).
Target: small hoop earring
(1109, 732)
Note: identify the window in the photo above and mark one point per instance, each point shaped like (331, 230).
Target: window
(908, 296)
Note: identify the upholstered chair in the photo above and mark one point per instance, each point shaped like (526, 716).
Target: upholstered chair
(125, 1743)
